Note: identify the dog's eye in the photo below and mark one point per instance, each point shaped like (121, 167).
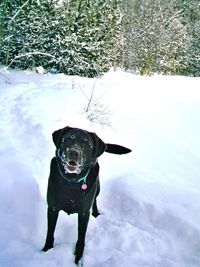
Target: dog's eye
(84, 141)
(69, 140)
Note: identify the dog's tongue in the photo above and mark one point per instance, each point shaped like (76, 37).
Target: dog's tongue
(72, 166)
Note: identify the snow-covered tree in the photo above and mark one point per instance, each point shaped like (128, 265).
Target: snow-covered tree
(191, 18)
(154, 36)
(85, 37)
(72, 36)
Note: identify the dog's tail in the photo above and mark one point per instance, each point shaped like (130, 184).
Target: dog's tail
(117, 149)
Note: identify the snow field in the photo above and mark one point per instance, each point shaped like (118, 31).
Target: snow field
(149, 199)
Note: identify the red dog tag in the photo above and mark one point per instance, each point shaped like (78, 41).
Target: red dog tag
(84, 186)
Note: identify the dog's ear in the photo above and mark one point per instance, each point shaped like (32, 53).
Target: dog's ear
(56, 135)
(99, 146)
(117, 149)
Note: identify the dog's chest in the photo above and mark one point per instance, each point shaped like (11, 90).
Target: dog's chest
(71, 197)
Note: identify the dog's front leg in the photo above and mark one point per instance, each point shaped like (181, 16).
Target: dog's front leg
(52, 216)
(83, 219)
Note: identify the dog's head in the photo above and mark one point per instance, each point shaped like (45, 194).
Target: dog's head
(77, 149)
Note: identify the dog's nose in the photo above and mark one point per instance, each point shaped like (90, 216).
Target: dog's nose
(74, 153)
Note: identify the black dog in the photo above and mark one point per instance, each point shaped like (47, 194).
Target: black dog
(74, 180)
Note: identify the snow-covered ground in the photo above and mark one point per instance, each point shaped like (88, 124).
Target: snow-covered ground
(150, 199)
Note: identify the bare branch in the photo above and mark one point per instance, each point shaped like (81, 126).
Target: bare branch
(91, 96)
(173, 17)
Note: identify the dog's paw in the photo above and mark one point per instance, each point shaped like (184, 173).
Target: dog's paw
(78, 260)
(47, 247)
(79, 253)
(48, 244)
(96, 213)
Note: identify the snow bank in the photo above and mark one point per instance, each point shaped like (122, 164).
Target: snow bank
(149, 198)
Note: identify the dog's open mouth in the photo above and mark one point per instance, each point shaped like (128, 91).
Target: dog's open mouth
(72, 167)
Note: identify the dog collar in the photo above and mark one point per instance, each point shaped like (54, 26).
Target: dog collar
(84, 184)
(75, 180)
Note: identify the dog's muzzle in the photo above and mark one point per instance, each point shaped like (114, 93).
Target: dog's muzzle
(71, 160)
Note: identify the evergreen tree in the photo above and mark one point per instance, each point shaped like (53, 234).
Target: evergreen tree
(74, 37)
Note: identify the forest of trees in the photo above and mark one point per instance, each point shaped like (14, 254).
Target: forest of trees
(88, 37)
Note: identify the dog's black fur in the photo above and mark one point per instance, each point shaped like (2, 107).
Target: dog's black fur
(73, 184)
